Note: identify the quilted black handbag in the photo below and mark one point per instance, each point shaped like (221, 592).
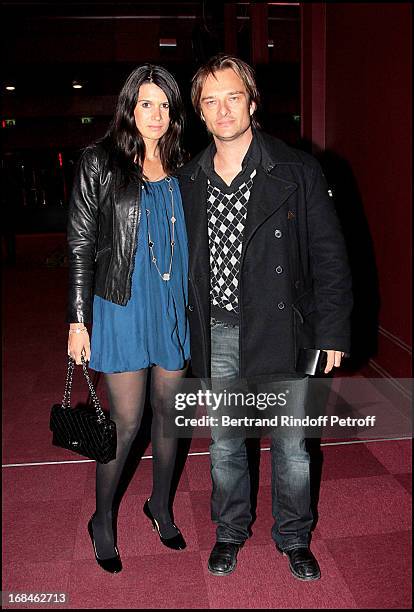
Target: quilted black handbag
(85, 429)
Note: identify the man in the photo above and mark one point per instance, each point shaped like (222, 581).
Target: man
(268, 275)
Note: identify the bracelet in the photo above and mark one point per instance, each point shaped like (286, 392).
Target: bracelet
(78, 330)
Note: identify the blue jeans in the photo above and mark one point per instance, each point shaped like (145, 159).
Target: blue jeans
(230, 500)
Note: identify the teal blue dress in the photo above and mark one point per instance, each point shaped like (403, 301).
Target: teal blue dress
(152, 329)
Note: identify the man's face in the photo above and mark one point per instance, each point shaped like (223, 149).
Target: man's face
(224, 105)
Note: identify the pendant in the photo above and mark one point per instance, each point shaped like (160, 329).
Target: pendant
(166, 276)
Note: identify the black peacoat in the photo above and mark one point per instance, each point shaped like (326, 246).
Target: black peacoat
(295, 285)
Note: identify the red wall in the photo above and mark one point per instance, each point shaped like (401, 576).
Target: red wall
(363, 125)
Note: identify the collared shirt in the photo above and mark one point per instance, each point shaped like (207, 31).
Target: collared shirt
(250, 161)
(226, 212)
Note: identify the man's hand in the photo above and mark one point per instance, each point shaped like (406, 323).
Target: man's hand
(334, 359)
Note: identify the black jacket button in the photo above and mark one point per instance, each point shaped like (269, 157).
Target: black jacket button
(281, 305)
(279, 270)
(278, 233)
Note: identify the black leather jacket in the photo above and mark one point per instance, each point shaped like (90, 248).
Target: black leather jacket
(102, 232)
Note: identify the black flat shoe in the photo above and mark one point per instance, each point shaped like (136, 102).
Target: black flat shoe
(302, 563)
(223, 558)
(177, 542)
(113, 564)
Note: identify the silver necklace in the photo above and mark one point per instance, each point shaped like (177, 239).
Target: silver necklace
(166, 276)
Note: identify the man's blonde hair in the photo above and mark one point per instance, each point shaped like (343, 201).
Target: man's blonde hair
(221, 62)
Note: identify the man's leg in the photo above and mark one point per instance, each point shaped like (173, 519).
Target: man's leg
(291, 500)
(230, 499)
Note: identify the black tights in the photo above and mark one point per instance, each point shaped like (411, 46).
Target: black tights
(127, 391)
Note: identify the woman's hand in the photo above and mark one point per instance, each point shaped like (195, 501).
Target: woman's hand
(78, 343)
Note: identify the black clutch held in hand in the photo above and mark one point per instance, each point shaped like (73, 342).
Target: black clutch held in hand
(311, 361)
(85, 429)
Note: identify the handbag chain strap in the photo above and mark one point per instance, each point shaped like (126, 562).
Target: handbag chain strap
(68, 389)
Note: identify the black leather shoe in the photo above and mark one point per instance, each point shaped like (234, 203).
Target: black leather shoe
(302, 563)
(113, 564)
(223, 558)
(177, 542)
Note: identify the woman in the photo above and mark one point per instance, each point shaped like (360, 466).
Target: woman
(128, 247)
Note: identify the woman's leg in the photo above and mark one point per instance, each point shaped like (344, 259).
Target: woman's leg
(164, 384)
(126, 392)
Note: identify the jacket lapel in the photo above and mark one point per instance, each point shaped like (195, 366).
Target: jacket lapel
(127, 199)
(268, 194)
(194, 196)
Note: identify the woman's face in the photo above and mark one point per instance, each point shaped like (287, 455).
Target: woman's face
(152, 113)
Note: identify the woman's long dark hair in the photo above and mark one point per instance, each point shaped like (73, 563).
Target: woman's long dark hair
(123, 139)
